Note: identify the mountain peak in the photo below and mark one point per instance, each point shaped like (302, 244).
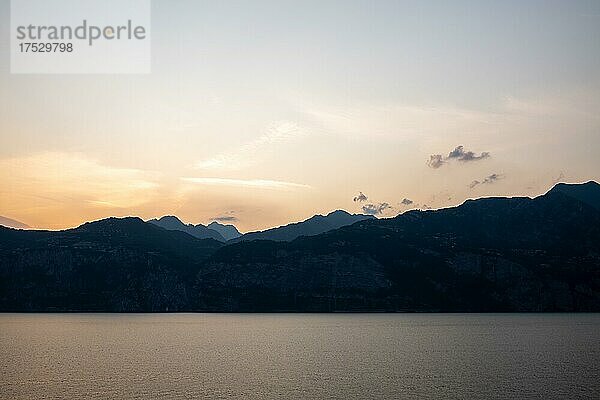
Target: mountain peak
(338, 212)
(588, 192)
(315, 225)
(591, 185)
(111, 224)
(486, 255)
(345, 214)
(228, 231)
(115, 221)
(173, 223)
(169, 219)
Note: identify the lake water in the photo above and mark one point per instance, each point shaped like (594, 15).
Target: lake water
(299, 356)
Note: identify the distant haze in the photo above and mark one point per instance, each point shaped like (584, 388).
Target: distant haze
(11, 223)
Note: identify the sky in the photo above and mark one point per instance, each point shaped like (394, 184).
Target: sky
(267, 112)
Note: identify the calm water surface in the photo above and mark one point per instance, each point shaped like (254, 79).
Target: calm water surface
(292, 356)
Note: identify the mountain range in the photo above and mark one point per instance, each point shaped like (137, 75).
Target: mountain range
(199, 231)
(11, 223)
(313, 226)
(490, 254)
(227, 231)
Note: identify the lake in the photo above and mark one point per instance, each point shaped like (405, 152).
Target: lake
(299, 356)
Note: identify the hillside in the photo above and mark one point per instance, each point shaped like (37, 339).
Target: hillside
(199, 231)
(108, 265)
(313, 226)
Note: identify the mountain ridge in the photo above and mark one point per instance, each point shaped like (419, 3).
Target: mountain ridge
(485, 255)
(314, 225)
(228, 231)
(588, 192)
(173, 223)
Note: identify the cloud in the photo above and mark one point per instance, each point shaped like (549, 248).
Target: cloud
(488, 180)
(492, 178)
(460, 154)
(246, 155)
(252, 183)
(375, 209)
(61, 189)
(361, 197)
(227, 216)
(60, 177)
(224, 218)
(437, 160)
(406, 202)
(392, 121)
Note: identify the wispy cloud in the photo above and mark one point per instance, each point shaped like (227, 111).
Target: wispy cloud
(391, 121)
(53, 189)
(246, 155)
(488, 180)
(71, 175)
(250, 183)
(227, 216)
(224, 218)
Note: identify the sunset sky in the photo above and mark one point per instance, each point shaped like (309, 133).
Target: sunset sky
(268, 112)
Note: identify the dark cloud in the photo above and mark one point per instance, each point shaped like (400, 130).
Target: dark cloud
(224, 218)
(459, 154)
(361, 197)
(487, 180)
(375, 209)
(406, 202)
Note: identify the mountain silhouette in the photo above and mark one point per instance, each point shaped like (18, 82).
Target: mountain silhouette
(313, 226)
(588, 193)
(227, 231)
(116, 264)
(199, 231)
(11, 223)
(486, 255)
